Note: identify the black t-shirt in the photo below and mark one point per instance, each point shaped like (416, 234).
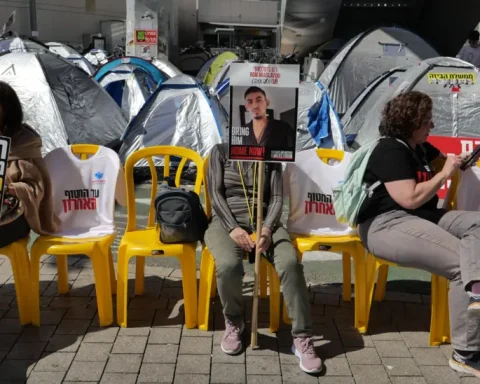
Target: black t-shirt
(392, 160)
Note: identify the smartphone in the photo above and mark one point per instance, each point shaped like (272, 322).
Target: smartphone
(472, 159)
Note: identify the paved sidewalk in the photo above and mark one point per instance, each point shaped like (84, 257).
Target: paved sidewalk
(156, 348)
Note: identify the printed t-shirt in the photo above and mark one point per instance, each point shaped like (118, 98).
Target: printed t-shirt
(390, 161)
(84, 191)
(308, 183)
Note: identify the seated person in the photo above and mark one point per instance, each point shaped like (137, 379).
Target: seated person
(231, 186)
(27, 180)
(402, 224)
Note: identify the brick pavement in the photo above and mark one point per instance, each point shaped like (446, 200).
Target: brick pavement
(156, 348)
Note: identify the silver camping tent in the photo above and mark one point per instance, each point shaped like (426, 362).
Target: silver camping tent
(11, 42)
(130, 81)
(72, 55)
(181, 113)
(361, 107)
(367, 56)
(166, 67)
(60, 101)
(456, 110)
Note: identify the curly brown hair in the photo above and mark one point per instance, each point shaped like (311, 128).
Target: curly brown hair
(404, 114)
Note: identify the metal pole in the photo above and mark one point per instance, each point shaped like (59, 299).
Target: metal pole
(33, 18)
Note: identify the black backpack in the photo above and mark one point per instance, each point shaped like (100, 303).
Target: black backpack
(179, 214)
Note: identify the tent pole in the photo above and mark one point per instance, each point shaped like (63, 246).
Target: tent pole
(33, 18)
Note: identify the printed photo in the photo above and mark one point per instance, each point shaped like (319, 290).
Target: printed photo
(263, 115)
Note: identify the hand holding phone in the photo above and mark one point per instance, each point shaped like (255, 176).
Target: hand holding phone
(471, 159)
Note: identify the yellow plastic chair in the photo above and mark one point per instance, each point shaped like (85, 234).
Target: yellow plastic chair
(17, 253)
(208, 286)
(98, 249)
(350, 246)
(440, 321)
(145, 242)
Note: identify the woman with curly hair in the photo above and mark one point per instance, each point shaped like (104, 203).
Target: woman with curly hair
(401, 222)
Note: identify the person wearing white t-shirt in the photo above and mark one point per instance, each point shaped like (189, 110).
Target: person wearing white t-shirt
(85, 191)
(471, 51)
(309, 183)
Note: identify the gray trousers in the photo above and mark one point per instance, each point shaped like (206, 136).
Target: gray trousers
(229, 265)
(450, 249)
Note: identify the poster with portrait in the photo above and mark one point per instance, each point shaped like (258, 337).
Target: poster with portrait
(4, 151)
(263, 112)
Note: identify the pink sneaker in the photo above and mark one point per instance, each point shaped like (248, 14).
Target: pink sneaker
(232, 338)
(309, 361)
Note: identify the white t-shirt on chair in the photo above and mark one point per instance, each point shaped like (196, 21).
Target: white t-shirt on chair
(468, 196)
(84, 191)
(308, 183)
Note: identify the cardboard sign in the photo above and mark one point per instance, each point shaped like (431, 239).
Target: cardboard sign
(263, 112)
(146, 36)
(4, 151)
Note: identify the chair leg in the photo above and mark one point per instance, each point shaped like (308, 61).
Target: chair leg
(103, 288)
(360, 288)
(207, 275)
(370, 274)
(439, 323)
(113, 279)
(381, 287)
(62, 270)
(21, 274)
(35, 255)
(122, 287)
(347, 277)
(274, 299)
(189, 282)
(139, 275)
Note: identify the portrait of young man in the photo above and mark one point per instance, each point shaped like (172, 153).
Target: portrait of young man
(264, 131)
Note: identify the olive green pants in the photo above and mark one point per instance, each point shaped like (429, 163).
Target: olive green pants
(229, 267)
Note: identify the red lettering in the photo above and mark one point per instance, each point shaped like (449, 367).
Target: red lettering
(239, 151)
(80, 204)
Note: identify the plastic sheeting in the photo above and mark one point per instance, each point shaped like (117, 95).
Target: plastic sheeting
(454, 113)
(366, 57)
(60, 101)
(179, 113)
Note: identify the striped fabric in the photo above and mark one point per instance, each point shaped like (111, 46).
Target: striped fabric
(227, 194)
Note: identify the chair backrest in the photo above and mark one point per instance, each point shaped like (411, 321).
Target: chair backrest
(167, 152)
(208, 205)
(84, 150)
(326, 154)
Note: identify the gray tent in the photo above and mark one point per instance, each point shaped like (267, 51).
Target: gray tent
(60, 101)
(366, 57)
(454, 113)
(181, 113)
(358, 112)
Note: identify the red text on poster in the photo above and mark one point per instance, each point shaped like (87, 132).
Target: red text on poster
(453, 146)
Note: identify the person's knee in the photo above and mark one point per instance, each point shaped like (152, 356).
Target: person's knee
(288, 266)
(228, 267)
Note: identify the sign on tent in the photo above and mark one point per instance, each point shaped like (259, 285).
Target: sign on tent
(263, 112)
(436, 78)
